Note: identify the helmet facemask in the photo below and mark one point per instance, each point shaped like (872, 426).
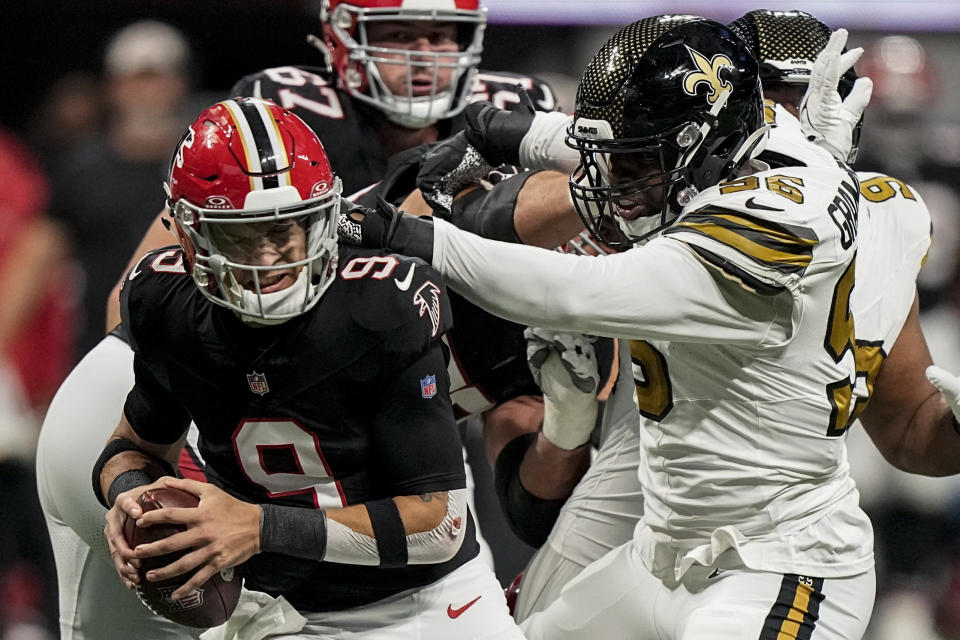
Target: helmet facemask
(359, 74)
(680, 102)
(224, 241)
(680, 167)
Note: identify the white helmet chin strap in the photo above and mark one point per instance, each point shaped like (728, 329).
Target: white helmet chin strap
(286, 303)
(417, 113)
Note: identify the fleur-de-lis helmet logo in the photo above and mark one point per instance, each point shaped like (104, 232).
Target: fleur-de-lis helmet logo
(708, 72)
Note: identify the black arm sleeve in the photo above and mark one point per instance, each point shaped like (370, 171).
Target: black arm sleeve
(490, 213)
(415, 433)
(530, 518)
(152, 410)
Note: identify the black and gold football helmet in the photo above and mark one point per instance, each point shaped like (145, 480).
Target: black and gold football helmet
(683, 100)
(786, 44)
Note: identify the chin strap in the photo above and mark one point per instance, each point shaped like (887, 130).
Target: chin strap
(285, 302)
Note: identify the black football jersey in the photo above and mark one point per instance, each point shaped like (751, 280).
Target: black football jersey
(488, 364)
(345, 404)
(347, 127)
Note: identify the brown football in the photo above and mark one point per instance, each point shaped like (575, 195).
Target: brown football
(207, 606)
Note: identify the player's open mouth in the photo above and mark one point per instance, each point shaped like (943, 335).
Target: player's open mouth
(274, 282)
(422, 86)
(631, 211)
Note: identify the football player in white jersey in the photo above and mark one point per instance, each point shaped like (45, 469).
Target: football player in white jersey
(893, 220)
(747, 374)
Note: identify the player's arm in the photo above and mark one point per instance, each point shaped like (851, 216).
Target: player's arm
(533, 477)
(620, 295)
(907, 418)
(417, 453)
(157, 235)
(135, 459)
(536, 470)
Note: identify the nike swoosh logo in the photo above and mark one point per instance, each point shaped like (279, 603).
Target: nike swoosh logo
(136, 269)
(753, 204)
(404, 284)
(716, 572)
(455, 613)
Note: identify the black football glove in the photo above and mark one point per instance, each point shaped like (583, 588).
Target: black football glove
(496, 133)
(490, 139)
(446, 169)
(386, 227)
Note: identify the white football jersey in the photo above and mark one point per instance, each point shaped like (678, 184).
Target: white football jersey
(744, 444)
(742, 356)
(895, 236)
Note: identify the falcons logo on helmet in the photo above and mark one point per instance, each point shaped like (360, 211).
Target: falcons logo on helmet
(427, 298)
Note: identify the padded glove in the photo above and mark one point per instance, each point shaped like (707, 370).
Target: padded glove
(564, 366)
(826, 119)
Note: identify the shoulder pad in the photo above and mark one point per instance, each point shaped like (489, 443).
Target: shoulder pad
(895, 214)
(148, 286)
(500, 88)
(267, 83)
(768, 228)
(387, 292)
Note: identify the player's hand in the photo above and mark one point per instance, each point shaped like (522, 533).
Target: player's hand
(386, 227)
(222, 532)
(949, 386)
(446, 169)
(564, 365)
(124, 561)
(497, 133)
(825, 118)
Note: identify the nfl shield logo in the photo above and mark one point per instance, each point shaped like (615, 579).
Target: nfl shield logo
(428, 387)
(258, 383)
(192, 600)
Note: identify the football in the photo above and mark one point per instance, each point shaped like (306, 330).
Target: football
(207, 606)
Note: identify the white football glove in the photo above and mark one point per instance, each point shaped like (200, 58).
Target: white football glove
(949, 386)
(564, 365)
(826, 119)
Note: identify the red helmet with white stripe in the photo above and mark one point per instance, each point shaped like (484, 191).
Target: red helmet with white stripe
(357, 62)
(255, 204)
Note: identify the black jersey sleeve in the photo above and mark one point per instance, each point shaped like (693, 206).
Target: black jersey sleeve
(152, 410)
(414, 433)
(151, 407)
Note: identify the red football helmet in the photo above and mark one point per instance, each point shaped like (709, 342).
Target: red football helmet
(354, 59)
(256, 205)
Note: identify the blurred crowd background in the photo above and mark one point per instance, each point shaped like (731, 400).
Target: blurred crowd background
(97, 94)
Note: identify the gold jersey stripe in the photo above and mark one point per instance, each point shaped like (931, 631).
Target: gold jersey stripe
(747, 246)
(786, 248)
(796, 610)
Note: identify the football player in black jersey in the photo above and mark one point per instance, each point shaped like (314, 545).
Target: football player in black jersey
(402, 72)
(316, 377)
(399, 74)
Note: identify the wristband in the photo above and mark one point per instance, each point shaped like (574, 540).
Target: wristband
(294, 531)
(114, 448)
(129, 479)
